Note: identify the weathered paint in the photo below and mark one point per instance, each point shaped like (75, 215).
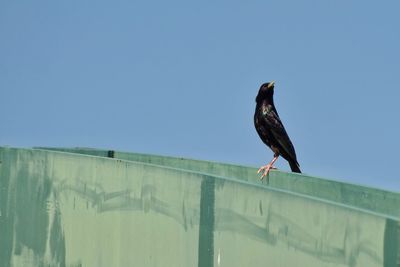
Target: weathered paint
(64, 209)
(362, 197)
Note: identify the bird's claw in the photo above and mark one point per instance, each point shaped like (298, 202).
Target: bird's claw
(266, 169)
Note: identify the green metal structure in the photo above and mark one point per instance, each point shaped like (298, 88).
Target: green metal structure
(87, 207)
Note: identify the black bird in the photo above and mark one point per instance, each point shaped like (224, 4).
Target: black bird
(271, 131)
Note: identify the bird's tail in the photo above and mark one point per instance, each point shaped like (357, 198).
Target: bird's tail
(294, 166)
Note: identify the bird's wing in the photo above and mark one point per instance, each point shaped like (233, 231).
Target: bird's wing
(275, 124)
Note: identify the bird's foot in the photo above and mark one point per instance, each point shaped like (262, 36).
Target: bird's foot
(266, 170)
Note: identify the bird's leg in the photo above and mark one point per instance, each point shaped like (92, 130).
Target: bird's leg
(268, 167)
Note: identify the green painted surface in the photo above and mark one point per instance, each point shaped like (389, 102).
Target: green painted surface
(372, 199)
(67, 209)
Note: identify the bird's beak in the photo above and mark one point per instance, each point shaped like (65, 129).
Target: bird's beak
(271, 84)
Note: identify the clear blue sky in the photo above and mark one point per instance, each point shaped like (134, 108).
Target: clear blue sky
(179, 78)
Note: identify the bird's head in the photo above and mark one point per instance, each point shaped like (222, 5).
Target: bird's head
(266, 91)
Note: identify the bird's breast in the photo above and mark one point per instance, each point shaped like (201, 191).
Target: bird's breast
(266, 109)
